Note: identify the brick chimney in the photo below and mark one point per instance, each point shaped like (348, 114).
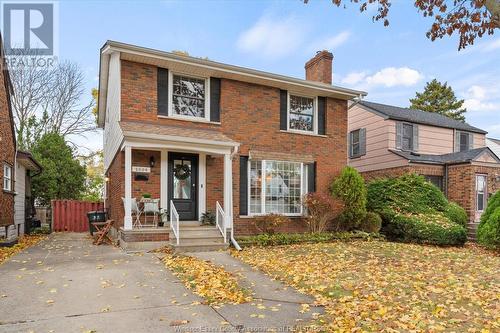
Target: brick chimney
(319, 68)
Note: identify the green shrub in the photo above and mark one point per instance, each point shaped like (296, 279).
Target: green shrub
(268, 224)
(288, 239)
(409, 193)
(43, 230)
(350, 188)
(488, 231)
(456, 214)
(208, 218)
(371, 223)
(493, 204)
(414, 210)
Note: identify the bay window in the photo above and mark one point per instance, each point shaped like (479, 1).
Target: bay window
(276, 187)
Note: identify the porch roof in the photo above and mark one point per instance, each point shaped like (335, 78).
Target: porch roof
(175, 133)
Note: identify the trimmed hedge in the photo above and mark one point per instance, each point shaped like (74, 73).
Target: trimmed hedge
(488, 231)
(288, 239)
(456, 213)
(371, 223)
(414, 210)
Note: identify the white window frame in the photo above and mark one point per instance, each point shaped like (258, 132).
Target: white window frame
(484, 192)
(9, 179)
(315, 113)
(303, 189)
(171, 97)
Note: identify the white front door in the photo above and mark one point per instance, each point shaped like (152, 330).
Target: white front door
(481, 195)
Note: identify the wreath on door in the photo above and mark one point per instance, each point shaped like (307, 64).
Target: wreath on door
(182, 172)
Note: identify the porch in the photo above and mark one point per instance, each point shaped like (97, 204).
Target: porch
(185, 174)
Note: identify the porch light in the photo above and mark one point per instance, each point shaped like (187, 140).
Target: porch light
(152, 161)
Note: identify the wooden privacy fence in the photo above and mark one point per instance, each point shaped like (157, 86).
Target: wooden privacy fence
(71, 215)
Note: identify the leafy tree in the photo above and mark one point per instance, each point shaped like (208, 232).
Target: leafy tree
(469, 18)
(95, 97)
(350, 188)
(62, 177)
(439, 98)
(94, 181)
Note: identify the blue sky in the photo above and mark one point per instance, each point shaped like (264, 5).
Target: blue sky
(390, 63)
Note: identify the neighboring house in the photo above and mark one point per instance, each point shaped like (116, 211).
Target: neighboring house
(494, 145)
(7, 148)
(24, 205)
(386, 140)
(194, 132)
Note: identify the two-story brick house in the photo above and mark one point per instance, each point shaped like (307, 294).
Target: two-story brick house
(204, 136)
(386, 140)
(7, 148)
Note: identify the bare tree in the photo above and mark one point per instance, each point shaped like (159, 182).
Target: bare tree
(50, 100)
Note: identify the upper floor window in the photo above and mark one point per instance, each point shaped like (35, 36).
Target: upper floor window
(357, 143)
(301, 113)
(189, 96)
(7, 177)
(406, 136)
(463, 141)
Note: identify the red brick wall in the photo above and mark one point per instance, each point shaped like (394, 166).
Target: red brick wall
(115, 189)
(249, 115)
(7, 154)
(422, 169)
(462, 185)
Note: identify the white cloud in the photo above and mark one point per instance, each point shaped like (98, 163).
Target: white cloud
(330, 43)
(272, 37)
(482, 98)
(387, 77)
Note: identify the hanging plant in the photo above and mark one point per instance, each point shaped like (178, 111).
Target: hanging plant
(182, 172)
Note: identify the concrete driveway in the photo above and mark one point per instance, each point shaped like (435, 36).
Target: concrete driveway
(66, 284)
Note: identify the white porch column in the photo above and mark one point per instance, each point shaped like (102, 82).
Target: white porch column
(228, 190)
(127, 223)
(164, 179)
(202, 196)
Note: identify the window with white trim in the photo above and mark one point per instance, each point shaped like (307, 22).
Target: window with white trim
(301, 113)
(7, 177)
(276, 187)
(189, 96)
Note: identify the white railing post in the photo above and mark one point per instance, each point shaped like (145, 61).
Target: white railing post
(220, 221)
(174, 221)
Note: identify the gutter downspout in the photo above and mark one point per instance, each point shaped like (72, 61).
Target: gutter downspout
(233, 240)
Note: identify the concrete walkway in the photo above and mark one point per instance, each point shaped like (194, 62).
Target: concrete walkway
(66, 284)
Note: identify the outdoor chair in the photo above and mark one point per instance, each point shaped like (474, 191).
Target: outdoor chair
(102, 230)
(152, 207)
(136, 212)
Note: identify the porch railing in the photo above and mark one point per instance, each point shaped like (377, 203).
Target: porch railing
(174, 221)
(220, 221)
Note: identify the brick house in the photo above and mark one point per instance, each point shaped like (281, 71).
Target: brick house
(385, 140)
(203, 136)
(7, 148)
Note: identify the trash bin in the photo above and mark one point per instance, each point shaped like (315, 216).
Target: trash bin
(95, 216)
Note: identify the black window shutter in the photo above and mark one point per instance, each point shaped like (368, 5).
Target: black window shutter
(162, 91)
(283, 110)
(311, 177)
(243, 185)
(322, 115)
(214, 99)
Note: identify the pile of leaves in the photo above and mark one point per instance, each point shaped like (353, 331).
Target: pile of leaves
(212, 282)
(414, 210)
(390, 287)
(488, 232)
(23, 243)
(318, 237)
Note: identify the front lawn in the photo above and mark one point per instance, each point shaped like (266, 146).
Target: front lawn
(380, 286)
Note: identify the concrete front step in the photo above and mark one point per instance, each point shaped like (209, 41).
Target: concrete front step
(199, 246)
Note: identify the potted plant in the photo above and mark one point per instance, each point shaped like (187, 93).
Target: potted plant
(146, 195)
